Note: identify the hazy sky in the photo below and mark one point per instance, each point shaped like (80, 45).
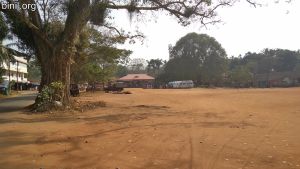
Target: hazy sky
(244, 28)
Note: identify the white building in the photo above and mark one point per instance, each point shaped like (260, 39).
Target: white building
(17, 69)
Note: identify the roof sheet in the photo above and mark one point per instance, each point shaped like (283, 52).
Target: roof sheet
(130, 77)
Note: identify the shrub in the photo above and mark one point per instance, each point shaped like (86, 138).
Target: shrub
(48, 96)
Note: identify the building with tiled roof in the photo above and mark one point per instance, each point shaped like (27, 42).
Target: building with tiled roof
(137, 80)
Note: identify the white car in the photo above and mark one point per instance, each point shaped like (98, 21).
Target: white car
(181, 84)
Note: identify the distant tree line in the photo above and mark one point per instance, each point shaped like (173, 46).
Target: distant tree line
(201, 58)
(243, 69)
(196, 57)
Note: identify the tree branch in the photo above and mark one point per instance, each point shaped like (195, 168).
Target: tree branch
(78, 15)
(35, 15)
(114, 28)
(252, 2)
(178, 8)
(122, 35)
(36, 30)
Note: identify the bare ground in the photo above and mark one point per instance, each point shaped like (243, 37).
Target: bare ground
(161, 129)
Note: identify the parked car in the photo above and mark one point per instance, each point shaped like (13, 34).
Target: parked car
(74, 90)
(4, 88)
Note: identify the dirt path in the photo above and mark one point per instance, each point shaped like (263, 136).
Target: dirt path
(161, 129)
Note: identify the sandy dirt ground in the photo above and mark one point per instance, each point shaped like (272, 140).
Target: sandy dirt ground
(161, 129)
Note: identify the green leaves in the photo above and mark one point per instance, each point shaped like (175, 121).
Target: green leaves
(199, 46)
(4, 54)
(155, 66)
(48, 96)
(240, 76)
(99, 13)
(3, 28)
(277, 60)
(259, 66)
(197, 57)
(2, 71)
(96, 57)
(34, 71)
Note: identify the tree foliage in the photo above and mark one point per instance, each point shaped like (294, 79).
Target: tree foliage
(181, 69)
(137, 65)
(242, 70)
(49, 96)
(240, 76)
(3, 28)
(121, 71)
(213, 70)
(3, 34)
(155, 67)
(197, 57)
(202, 59)
(198, 46)
(34, 71)
(275, 60)
(97, 57)
(2, 71)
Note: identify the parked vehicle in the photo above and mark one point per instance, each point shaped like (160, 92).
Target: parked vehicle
(181, 84)
(116, 87)
(4, 88)
(74, 90)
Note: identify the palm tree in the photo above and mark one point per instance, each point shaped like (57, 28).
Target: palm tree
(5, 56)
(3, 53)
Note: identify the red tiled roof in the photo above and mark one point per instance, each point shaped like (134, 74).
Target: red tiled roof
(130, 77)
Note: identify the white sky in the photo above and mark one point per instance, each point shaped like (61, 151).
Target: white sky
(244, 28)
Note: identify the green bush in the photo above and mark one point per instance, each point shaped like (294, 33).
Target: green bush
(48, 96)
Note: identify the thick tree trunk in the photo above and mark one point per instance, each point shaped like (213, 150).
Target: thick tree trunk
(56, 60)
(56, 67)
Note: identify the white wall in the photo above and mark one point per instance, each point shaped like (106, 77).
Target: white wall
(19, 66)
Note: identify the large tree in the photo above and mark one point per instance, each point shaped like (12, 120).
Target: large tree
(51, 31)
(197, 57)
(155, 66)
(199, 46)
